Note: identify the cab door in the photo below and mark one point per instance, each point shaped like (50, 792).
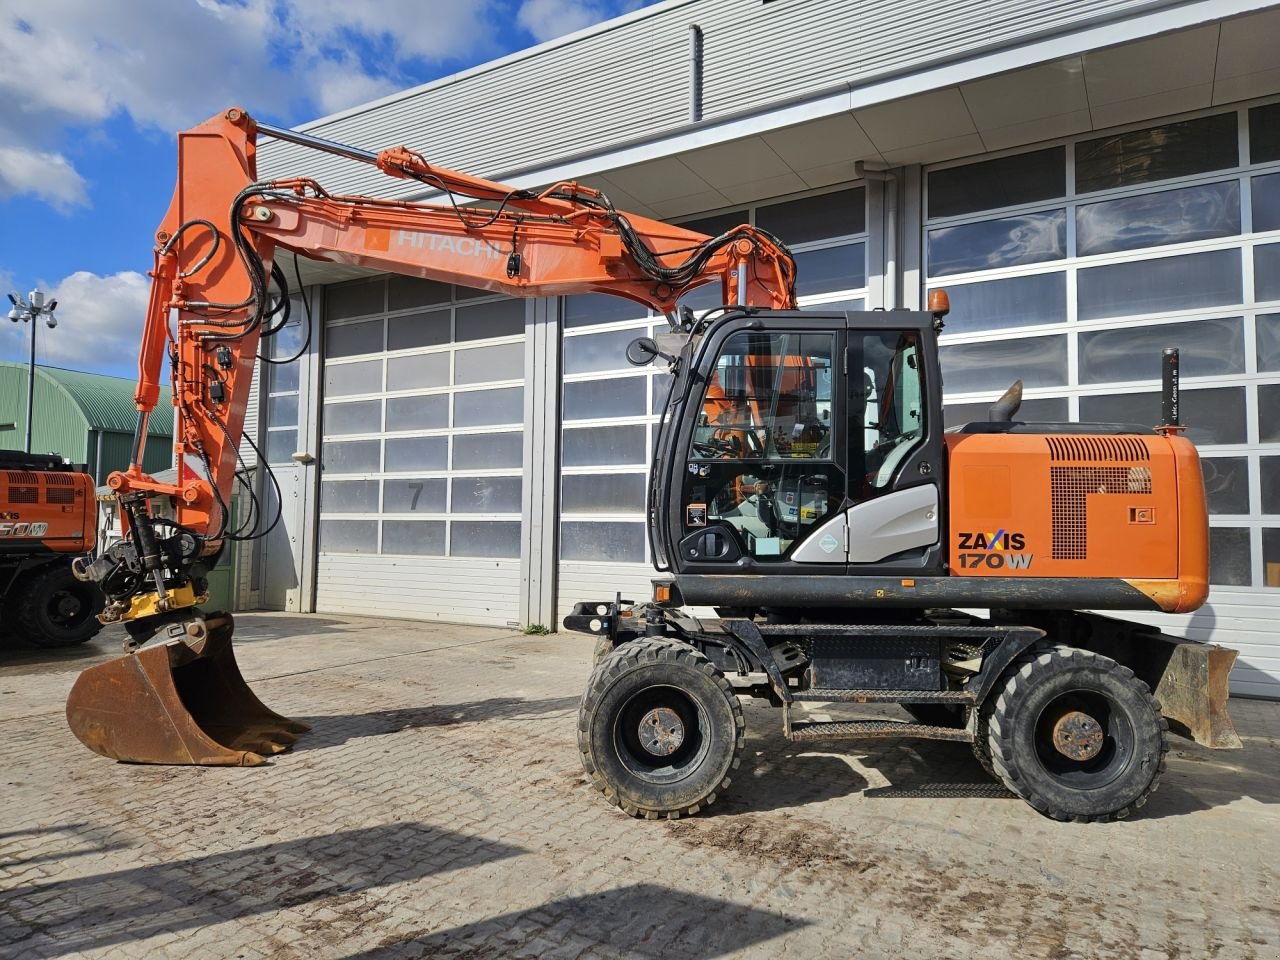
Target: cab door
(895, 454)
(763, 483)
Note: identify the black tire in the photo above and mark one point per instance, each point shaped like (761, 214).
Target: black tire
(981, 738)
(54, 609)
(666, 693)
(1060, 686)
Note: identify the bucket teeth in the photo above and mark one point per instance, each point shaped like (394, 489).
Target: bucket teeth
(171, 704)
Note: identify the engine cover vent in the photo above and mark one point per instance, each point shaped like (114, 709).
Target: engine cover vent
(24, 494)
(1071, 487)
(1076, 449)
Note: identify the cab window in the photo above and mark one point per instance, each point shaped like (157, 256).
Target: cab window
(761, 457)
(891, 401)
(769, 398)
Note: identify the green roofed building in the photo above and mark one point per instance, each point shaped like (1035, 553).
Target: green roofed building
(85, 417)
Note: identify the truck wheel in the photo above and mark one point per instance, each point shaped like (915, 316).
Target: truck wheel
(659, 729)
(54, 609)
(1077, 736)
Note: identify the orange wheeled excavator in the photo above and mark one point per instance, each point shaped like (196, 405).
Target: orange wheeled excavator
(823, 539)
(48, 515)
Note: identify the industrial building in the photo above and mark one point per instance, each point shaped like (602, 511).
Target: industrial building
(1090, 180)
(82, 417)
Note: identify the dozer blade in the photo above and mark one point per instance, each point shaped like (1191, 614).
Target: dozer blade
(169, 703)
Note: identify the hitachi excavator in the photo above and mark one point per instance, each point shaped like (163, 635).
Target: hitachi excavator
(823, 540)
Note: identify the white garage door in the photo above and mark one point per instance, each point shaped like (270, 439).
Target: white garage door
(421, 460)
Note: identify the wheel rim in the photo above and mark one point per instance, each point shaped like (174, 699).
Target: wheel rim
(1083, 739)
(67, 609)
(659, 735)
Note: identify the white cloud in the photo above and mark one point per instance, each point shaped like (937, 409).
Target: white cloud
(99, 324)
(48, 176)
(171, 63)
(168, 64)
(342, 85)
(548, 19)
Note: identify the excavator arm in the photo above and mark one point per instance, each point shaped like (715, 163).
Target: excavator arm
(217, 291)
(211, 300)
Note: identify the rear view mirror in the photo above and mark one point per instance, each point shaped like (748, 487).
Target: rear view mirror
(642, 351)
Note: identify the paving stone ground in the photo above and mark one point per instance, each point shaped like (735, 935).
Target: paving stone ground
(438, 809)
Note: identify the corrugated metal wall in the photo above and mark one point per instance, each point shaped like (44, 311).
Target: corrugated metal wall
(629, 80)
(58, 425)
(118, 447)
(758, 53)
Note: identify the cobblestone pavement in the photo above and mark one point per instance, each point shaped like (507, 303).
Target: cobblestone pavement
(438, 809)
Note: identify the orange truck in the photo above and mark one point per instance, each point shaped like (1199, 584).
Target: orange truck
(48, 516)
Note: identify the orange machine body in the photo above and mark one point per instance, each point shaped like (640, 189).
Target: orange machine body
(43, 511)
(1128, 507)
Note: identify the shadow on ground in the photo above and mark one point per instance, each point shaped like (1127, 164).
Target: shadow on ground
(776, 774)
(90, 839)
(334, 729)
(640, 920)
(68, 917)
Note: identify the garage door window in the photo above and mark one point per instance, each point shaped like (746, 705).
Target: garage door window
(611, 410)
(422, 421)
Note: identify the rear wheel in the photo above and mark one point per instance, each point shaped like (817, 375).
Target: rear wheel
(1077, 736)
(54, 609)
(659, 729)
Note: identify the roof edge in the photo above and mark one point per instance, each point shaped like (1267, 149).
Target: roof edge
(604, 26)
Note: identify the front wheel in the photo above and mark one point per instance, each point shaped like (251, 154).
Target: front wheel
(659, 729)
(54, 609)
(1077, 736)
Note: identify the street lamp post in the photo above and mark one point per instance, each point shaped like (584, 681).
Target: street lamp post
(30, 311)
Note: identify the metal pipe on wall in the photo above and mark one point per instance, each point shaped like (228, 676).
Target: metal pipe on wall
(695, 72)
(890, 184)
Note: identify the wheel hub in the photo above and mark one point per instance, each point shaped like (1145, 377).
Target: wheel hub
(1078, 736)
(66, 605)
(661, 732)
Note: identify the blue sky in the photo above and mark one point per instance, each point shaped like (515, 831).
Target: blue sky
(92, 92)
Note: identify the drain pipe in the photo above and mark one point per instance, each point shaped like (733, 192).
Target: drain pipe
(890, 182)
(695, 72)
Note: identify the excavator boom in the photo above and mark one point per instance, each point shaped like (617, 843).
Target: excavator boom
(217, 291)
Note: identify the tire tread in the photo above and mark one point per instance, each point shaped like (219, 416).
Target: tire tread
(628, 656)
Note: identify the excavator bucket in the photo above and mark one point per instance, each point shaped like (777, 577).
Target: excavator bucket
(170, 703)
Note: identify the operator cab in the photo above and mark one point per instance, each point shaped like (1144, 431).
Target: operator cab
(803, 443)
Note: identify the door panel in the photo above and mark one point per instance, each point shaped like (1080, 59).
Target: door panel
(896, 457)
(827, 544)
(902, 520)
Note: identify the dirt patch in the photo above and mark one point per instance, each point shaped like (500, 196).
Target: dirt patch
(956, 902)
(789, 846)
